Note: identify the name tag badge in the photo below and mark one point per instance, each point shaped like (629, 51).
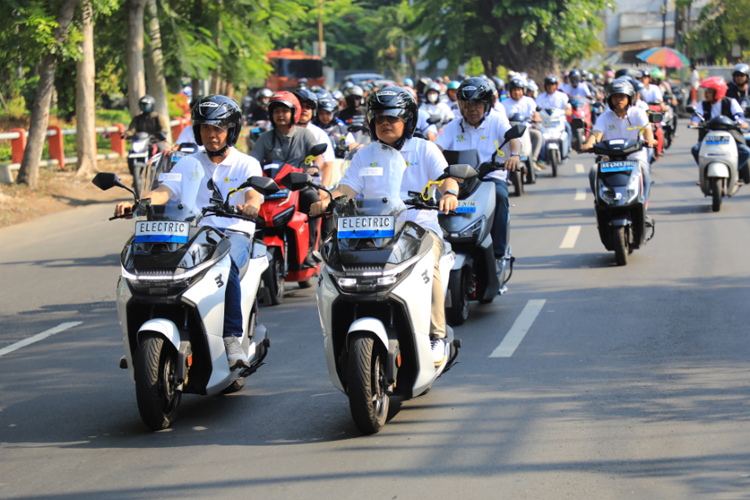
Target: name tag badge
(170, 177)
(372, 171)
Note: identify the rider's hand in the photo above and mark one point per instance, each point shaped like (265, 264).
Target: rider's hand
(124, 208)
(511, 164)
(586, 146)
(248, 210)
(448, 202)
(652, 143)
(318, 208)
(743, 124)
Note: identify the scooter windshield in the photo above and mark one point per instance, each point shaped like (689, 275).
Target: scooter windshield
(369, 222)
(188, 178)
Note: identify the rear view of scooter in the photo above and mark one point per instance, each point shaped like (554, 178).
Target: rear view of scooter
(525, 174)
(556, 141)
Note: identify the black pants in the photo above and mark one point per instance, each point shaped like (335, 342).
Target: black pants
(307, 197)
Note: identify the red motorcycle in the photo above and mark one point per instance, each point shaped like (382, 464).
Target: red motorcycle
(581, 110)
(286, 233)
(658, 132)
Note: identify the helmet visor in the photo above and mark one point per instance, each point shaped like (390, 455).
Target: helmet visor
(210, 125)
(401, 114)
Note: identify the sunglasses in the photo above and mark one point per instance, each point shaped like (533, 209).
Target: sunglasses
(308, 106)
(380, 119)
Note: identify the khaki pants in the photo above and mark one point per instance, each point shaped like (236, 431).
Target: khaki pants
(437, 312)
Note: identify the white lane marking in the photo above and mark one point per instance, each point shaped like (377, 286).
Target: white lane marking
(519, 329)
(579, 168)
(39, 336)
(580, 195)
(569, 241)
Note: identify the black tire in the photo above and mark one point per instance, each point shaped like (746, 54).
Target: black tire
(716, 193)
(136, 170)
(458, 313)
(273, 277)
(157, 399)
(305, 284)
(620, 244)
(368, 401)
(236, 386)
(530, 176)
(516, 180)
(554, 160)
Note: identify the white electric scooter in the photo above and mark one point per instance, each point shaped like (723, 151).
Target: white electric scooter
(170, 298)
(717, 159)
(556, 142)
(374, 296)
(525, 174)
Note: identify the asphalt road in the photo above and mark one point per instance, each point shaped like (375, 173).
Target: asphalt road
(630, 383)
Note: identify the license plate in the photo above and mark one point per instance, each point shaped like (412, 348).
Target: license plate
(616, 166)
(376, 226)
(138, 155)
(466, 207)
(717, 140)
(161, 232)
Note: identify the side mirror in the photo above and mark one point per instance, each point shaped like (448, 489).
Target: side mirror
(655, 117)
(106, 180)
(215, 194)
(296, 180)
(461, 172)
(515, 132)
(576, 123)
(318, 149)
(538, 109)
(433, 119)
(263, 185)
(690, 109)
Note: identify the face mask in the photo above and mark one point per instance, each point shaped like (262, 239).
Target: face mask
(432, 97)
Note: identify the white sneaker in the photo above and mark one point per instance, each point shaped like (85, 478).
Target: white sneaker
(438, 351)
(235, 356)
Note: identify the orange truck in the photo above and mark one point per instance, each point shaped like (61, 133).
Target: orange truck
(291, 65)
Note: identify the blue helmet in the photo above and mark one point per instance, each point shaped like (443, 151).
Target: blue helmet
(408, 82)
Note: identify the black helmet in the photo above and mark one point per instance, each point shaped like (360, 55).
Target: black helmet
(516, 83)
(550, 80)
(740, 70)
(620, 86)
(632, 73)
(220, 111)
(475, 89)
(267, 93)
(326, 103)
(574, 74)
(499, 83)
(393, 101)
(302, 83)
(422, 85)
(305, 95)
(146, 103)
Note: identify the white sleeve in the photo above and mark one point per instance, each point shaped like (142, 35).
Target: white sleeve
(736, 111)
(434, 159)
(445, 140)
(349, 138)
(352, 178)
(328, 155)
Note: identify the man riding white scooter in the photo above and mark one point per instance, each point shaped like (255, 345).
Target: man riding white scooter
(555, 99)
(217, 122)
(523, 105)
(399, 163)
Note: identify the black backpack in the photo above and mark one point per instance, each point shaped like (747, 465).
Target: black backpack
(726, 110)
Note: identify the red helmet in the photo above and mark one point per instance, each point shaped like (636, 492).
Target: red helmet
(287, 99)
(717, 84)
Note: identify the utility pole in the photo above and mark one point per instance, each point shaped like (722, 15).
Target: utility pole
(664, 24)
(321, 52)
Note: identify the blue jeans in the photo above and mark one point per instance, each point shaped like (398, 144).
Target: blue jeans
(239, 253)
(501, 225)
(743, 154)
(569, 143)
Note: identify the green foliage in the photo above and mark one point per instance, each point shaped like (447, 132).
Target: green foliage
(474, 67)
(387, 31)
(721, 25)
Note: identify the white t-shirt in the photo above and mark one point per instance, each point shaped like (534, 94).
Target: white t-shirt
(321, 137)
(651, 94)
(525, 106)
(734, 108)
(422, 126)
(582, 90)
(424, 162)
(455, 110)
(186, 136)
(376, 171)
(557, 100)
(441, 109)
(640, 104)
(498, 109)
(458, 135)
(613, 127)
(189, 179)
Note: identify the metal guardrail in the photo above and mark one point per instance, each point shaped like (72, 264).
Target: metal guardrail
(55, 135)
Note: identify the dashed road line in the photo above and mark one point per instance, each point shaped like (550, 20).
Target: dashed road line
(39, 336)
(580, 195)
(569, 241)
(519, 329)
(579, 168)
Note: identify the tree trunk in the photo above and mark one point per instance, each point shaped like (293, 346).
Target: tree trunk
(157, 84)
(134, 50)
(85, 101)
(29, 172)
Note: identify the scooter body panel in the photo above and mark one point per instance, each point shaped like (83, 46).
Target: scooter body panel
(717, 157)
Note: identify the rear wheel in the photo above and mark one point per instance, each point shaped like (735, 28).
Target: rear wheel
(305, 284)
(273, 277)
(458, 285)
(554, 160)
(515, 178)
(155, 365)
(620, 245)
(368, 401)
(716, 193)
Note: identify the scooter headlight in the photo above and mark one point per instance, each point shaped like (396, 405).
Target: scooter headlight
(606, 194)
(470, 232)
(371, 281)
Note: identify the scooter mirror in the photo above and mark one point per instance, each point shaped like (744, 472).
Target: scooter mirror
(106, 180)
(538, 109)
(690, 109)
(655, 117)
(460, 172)
(215, 194)
(318, 150)
(576, 123)
(515, 132)
(263, 185)
(296, 181)
(433, 119)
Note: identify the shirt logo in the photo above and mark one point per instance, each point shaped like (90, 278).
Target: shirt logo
(460, 138)
(483, 137)
(228, 180)
(193, 176)
(410, 163)
(611, 126)
(374, 164)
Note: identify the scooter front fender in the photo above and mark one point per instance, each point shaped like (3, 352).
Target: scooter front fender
(717, 169)
(372, 325)
(462, 260)
(620, 222)
(163, 327)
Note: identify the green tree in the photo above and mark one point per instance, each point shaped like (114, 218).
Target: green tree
(389, 33)
(721, 25)
(534, 37)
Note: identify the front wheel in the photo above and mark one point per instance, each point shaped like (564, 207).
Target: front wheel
(554, 159)
(458, 312)
(716, 193)
(530, 177)
(620, 244)
(368, 400)
(155, 365)
(517, 181)
(273, 277)
(305, 284)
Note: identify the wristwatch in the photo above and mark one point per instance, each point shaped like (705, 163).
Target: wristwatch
(515, 154)
(451, 191)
